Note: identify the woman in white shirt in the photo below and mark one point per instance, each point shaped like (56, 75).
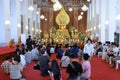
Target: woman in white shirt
(88, 48)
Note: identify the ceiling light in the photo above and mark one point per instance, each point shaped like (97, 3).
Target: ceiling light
(42, 17)
(27, 27)
(88, 0)
(45, 19)
(106, 22)
(57, 6)
(31, 8)
(7, 22)
(99, 26)
(55, 9)
(40, 31)
(36, 30)
(19, 25)
(32, 29)
(82, 13)
(94, 28)
(37, 12)
(70, 9)
(84, 8)
(54, 1)
(91, 29)
(80, 17)
(76, 30)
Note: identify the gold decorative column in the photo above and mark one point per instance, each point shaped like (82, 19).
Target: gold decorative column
(75, 18)
(50, 18)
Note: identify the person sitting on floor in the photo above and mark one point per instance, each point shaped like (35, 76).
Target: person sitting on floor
(23, 49)
(44, 63)
(52, 50)
(55, 71)
(16, 69)
(75, 50)
(22, 59)
(27, 56)
(115, 58)
(5, 65)
(99, 48)
(86, 67)
(65, 60)
(112, 52)
(60, 52)
(18, 49)
(11, 43)
(74, 68)
(35, 53)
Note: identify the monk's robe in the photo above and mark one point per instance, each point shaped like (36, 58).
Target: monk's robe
(19, 41)
(11, 43)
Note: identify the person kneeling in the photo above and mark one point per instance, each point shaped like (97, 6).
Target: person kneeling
(16, 69)
(74, 69)
(86, 67)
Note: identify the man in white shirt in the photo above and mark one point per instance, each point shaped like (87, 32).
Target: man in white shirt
(35, 53)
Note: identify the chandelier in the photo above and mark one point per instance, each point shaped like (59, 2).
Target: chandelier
(42, 17)
(31, 8)
(57, 6)
(84, 8)
(54, 1)
(80, 17)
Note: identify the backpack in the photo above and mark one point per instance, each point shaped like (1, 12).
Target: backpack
(78, 76)
(55, 74)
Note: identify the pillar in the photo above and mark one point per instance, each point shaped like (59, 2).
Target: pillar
(34, 20)
(30, 17)
(24, 8)
(38, 23)
(112, 13)
(50, 18)
(5, 21)
(102, 20)
(15, 19)
(75, 18)
(118, 19)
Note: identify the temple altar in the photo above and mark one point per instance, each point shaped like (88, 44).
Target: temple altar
(61, 34)
(62, 20)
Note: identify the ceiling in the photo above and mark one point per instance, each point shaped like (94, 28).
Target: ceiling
(66, 3)
(46, 9)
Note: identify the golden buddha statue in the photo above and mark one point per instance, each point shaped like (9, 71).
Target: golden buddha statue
(62, 19)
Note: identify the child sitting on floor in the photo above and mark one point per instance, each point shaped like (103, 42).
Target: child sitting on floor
(16, 69)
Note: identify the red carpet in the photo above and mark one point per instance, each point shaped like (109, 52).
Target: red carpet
(100, 71)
